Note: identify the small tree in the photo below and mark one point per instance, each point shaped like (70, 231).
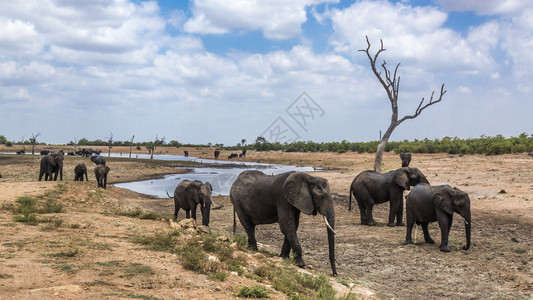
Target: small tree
(156, 143)
(392, 86)
(131, 143)
(33, 141)
(109, 143)
(23, 144)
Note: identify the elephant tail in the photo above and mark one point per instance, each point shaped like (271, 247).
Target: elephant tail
(234, 221)
(350, 201)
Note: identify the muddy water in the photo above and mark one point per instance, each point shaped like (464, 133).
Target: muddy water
(220, 178)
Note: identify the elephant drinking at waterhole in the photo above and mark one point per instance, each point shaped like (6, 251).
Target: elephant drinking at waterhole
(258, 199)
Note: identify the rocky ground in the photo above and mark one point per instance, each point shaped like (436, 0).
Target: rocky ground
(41, 260)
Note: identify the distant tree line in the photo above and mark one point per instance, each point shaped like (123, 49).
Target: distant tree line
(483, 145)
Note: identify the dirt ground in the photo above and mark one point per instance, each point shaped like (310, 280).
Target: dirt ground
(498, 264)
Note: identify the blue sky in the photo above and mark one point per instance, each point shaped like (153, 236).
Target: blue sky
(213, 71)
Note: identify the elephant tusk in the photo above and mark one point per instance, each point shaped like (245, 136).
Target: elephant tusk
(464, 220)
(329, 226)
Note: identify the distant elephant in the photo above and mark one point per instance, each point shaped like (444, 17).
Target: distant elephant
(21, 152)
(100, 172)
(52, 164)
(258, 199)
(99, 160)
(186, 153)
(406, 159)
(45, 152)
(217, 153)
(370, 188)
(79, 171)
(233, 155)
(243, 153)
(427, 203)
(188, 194)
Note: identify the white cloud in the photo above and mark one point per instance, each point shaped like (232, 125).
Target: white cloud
(415, 36)
(487, 7)
(278, 19)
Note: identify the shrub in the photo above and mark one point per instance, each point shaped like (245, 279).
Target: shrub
(253, 292)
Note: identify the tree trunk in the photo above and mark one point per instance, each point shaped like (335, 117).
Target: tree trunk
(381, 147)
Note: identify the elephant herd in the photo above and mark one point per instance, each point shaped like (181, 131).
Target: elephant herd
(259, 199)
(52, 166)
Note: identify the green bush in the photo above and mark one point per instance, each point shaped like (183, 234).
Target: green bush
(253, 292)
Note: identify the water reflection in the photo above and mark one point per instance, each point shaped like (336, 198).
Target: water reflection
(220, 178)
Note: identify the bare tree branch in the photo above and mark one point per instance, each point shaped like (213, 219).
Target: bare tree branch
(391, 84)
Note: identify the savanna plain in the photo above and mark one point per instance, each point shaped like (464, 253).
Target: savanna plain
(72, 240)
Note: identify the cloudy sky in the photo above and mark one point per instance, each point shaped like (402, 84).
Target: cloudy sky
(218, 71)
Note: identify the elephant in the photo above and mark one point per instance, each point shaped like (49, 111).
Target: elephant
(52, 164)
(188, 194)
(258, 199)
(21, 152)
(99, 160)
(100, 172)
(406, 159)
(233, 155)
(243, 153)
(426, 203)
(186, 153)
(79, 171)
(217, 153)
(370, 188)
(45, 152)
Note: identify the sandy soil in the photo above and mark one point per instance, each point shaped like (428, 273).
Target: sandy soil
(498, 265)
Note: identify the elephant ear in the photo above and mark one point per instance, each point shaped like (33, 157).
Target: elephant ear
(208, 184)
(402, 178)
(297, 192)
(51, 160)
(192, 190)
(443, 200)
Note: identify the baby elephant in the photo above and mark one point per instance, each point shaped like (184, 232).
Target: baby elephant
(100, 172)
(79, 171)
(189, 194)
(426, 203)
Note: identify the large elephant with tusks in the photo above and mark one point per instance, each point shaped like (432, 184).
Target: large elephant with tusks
(258, 199)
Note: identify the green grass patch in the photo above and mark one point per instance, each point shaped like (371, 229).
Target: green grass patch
(69, 253)
(139, 213)
(253, 292)
(135, 269)
(161, 241)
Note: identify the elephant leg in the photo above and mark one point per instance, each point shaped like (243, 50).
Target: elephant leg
(362, 213)
(193, 212)
(369, 217)
(444, 224)
(176, 210)
(409, 229)
(427, 238)
(105, 181)
(286, 248)
(288, 226)
(187, 214)
(399, 213)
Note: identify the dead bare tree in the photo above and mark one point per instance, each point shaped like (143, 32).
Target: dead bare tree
(33, 141)
(23, 144)
(153, 145)
(392, 85)
(109, 144)
(131, 143)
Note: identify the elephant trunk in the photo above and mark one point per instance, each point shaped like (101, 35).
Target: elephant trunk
(206, 211)
(329, 218)
(468, 230)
